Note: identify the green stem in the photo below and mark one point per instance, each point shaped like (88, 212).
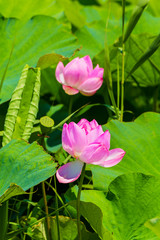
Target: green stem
(108, 75)
(51, 214)
(70, 105)
(155, 98)
(123, 54)
(118, 87)
(48, 226)
(59, 197)
(57, 212)
(3, 220)
(78, 201)
(30, 200)
(46, 210)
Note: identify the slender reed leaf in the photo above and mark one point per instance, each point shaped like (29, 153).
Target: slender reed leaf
(150, 51)
(107, 71)
(67, 118)
(123, 58)
(137, 12)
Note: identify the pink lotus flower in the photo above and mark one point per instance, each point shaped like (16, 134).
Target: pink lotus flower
(79, 76)
(86, 142)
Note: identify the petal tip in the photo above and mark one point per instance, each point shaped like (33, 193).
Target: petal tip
(69, 172)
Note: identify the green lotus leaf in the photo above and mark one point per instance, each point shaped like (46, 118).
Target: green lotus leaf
(131, 200)
(140, 139)
(30, 40)
(23, 166)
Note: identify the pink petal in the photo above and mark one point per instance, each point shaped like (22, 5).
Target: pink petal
(104, 139)
(94, 124)
(69, 172)
(70, 90)
(85, 124)
(88, 126)
(94, 134)
(90, 86)
(66, 143)
(73, 62)
(59, 73)
(97, 72)
(114, 157)
(77, 137)
(76, 73)
(89, 63)
(93, 154)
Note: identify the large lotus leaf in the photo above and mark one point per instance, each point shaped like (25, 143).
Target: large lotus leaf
(26, 9)
(155, 7)
(140, 139)
(22, 9)
(95, 32)
(91, 37)
(25, 165)
(31, 40)
(72, 10)
(132, 199)
(92, 213)
(146, 23)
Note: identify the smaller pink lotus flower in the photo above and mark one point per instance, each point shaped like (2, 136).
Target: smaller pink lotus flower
(79, 76)
(86, 142)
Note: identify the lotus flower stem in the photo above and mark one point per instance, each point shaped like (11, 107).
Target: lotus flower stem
(46, 210)
(57, 212)
(70, 107)
(123, 54)
(3, 220)
(48, 226)
(118, 84)
(30, 200)
(78, 201)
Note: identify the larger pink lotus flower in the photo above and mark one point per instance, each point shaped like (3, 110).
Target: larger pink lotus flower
(86, 142)
(79, 76)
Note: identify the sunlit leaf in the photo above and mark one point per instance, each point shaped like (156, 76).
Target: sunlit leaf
(22, 9)
(24, 165)
(140, 139)
(39, 36)
(132, 199)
